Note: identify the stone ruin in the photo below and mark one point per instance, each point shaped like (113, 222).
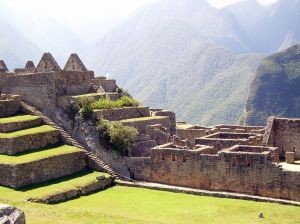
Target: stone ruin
(253, 160)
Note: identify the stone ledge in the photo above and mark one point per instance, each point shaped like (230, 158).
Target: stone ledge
(12, 145)
(20, 122)
(219, 194)
(141, 123)
(23, 174)
(121, 113)
(73, 193)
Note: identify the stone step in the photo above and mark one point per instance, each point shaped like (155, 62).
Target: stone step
(142, 148)
(117, 114)
(64, 101)
(66, 188)
(40, 166)
(28, 139)
(141, 123)
(19, 122)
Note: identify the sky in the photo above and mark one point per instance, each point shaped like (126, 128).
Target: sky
(82, 16)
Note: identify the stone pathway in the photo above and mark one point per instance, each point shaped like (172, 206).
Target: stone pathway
(219, 194)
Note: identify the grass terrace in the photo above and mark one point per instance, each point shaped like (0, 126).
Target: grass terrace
(30, 131)
(18, 118)
(125, 205)
(38, 154)
(110, 104)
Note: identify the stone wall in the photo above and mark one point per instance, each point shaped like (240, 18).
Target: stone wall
(286, 136)
(9, 105)
(249, 173)
(141, 125)
(121, 113)
(14, 126)
(172, 117)
(19, 175)
(18, 144)
(190, 133)
(109, 85)
(42, 89)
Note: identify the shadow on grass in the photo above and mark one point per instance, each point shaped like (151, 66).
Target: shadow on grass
(55, 181)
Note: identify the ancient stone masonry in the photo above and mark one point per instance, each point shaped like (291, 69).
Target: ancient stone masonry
(253, 160)
(75, 64)
(9, 104)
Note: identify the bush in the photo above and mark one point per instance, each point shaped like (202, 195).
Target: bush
(125, 101)
(72, 110)
(86, 108)
(119, 136)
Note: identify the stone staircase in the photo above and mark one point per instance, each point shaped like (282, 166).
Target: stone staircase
(93, 161)
(33, 152)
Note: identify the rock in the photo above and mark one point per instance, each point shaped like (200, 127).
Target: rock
(261, 215)
(11, 215)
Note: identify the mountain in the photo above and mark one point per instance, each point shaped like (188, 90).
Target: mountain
(268, 29)
(181, 55)
(275, 90)
(28, 37)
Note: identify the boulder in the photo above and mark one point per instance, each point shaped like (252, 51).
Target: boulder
(11, 215)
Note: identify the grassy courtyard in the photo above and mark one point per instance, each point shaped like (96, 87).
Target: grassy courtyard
(135, 205)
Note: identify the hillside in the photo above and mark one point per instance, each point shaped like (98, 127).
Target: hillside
(275, 89)
(176, 59)
(268, 29)
(26, 38)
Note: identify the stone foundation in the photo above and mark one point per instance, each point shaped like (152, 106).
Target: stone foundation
(14, 126)
(9, 105)
(20, 175)
(12, 146)
(121, 113)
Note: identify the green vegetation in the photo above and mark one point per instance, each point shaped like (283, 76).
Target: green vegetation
(72, 110)
(63, 184)
(120, 205)
(86, 110)
(143, 118)
(125, 101)
(18, 118)
(30, 131)
(87, 105)
(275, 90)
(38, 154)
(117, 135)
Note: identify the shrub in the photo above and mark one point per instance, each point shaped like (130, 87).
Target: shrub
(86, 108)
(72, 110)
(125, 101)
(119, 136)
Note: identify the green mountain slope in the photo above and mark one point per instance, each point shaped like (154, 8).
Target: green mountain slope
(170, 59)
(276, 87)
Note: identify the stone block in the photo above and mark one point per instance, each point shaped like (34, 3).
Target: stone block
(290, 157)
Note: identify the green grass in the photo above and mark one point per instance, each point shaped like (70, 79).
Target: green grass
(63, 184)
(143, 118)
(18, 118)
(30, 131)
(142, 206)
(110, 104)
(38, 154)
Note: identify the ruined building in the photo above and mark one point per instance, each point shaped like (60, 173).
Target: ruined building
(253, 160)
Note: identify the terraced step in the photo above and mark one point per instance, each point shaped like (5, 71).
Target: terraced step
(141, 123)
(64, 101)
(66, 188)
(19, 122)
(28, 139)
(39, 166)
(121, 113)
